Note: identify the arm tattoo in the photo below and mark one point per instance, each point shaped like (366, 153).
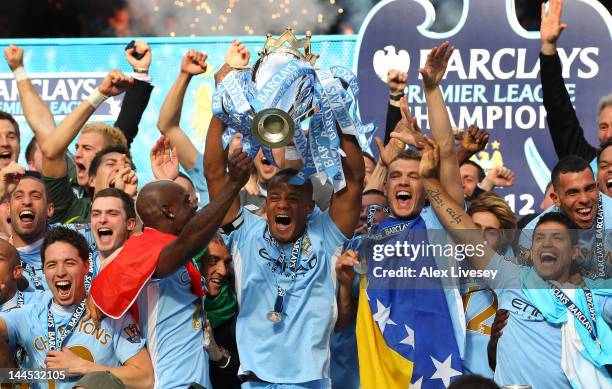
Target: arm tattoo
(434, 197)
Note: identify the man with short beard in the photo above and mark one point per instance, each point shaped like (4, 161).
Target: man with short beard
(412, 221)
(286, 339)
(576, 196)
(30, 211)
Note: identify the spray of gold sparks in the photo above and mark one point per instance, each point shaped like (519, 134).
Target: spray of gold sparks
(235, 17)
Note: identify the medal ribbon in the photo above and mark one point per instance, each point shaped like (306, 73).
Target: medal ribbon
(55, 342)
(598, 248)
(577, 313)
(296, 256)
(32, 272)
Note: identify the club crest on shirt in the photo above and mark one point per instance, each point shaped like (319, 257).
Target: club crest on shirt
(184, 278)
(306, 247)
(133, 333)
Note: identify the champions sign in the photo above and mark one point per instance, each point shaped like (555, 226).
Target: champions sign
(492, 79)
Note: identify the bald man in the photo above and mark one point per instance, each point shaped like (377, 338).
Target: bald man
(169, 303)
(10, 277)
(10, 296)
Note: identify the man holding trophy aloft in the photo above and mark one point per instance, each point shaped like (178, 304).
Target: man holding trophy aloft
(284, 272)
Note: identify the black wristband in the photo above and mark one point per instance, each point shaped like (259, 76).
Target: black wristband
(233, 225)
(397, 97)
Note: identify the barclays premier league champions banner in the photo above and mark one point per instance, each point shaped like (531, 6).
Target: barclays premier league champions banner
(493, 78)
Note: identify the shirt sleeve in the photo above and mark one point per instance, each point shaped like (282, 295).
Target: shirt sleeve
(565, 130)
(127, 339)
(196, 175)
(16, 320)
(67, 207)
(324, 227)
(243, 224)
(394, 115)
(508, 274)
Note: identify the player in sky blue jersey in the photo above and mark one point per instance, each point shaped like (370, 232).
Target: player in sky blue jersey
(30, 211)
(541, 313)
(10, 297)
(576, 195)
(497, 223)
(170, 310)
(397, 175)
(284, 270)
(53, 333)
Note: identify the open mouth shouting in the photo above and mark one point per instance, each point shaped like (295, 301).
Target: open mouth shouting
(548, 257)
(283, 222)
(105, 235)
(403, 198)
(6, 157)
(81, 172)
(26, 218)
(63, 289)
(267, 167)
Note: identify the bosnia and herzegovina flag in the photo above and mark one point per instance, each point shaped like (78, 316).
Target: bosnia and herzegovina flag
(405, 333)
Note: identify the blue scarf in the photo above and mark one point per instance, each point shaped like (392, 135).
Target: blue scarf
(540, 294)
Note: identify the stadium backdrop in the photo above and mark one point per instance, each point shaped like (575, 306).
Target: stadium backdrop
(493, 78)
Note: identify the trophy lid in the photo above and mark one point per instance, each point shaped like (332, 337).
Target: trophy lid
(288, 41)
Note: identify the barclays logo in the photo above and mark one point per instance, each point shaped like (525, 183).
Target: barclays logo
(389, 58)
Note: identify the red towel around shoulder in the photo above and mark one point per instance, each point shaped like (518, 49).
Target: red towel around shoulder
(117, 286)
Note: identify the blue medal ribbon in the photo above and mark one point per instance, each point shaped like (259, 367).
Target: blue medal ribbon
(577, 313)
(32, 272)
(598, 244)
(55, 342)
(372, 208)
(294, 261)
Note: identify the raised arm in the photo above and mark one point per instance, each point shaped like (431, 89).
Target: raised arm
(193, 63)
(346, 204)
(565, 129)
(405, 132)
(396, 82)
(196, 235)
(449, 211)
(439, 122)
(137, 97)
(346, 302)
(56, 145)
(474, 140)
(37, 114)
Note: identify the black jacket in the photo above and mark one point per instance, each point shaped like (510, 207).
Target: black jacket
(134, 103)
(565, 130)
